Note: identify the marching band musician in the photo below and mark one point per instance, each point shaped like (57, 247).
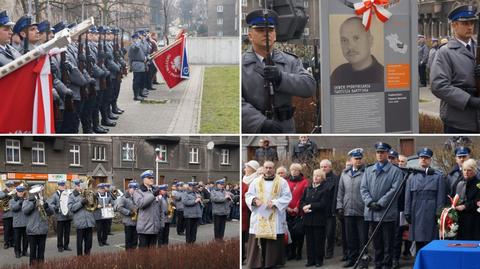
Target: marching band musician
(220, 208)
(149, 211)
(104, 201)
(19, 222)
(36, 212)
(64, 223)
(7, 214)
(82, 218)
(192, 212)
(128, 210)
(164, 230)
(7, 52)
(108, 190)
(177, 200)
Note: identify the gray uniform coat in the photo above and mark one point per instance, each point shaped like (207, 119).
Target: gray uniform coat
(103, 201)
(192, 210)
(55, 204)
(136, 57)
(8, 54)
(77, 79)
(296, 81)
(380, 188)
(178, 200)
(126, 207)
(349, 197)
(19, 219)
(111, 65)
(424, 197)
(149, 211)
(452, 80)
(220, 205)
(36, 225)
(9, 213)
(82, 218)
(423, 54)
(164, 215)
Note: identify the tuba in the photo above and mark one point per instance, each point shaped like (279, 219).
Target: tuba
(171, 206)
(4, 202)
(37, 192)
(89, 194)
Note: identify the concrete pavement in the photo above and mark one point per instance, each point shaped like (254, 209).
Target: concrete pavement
(116, 241)
(165, 110)
(429, 104)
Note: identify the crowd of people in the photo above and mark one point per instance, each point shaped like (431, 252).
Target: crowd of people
(87, 73)
(283, 207)
(146, 211)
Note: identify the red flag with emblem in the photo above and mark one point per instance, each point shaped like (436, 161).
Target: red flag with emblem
(169, 63)
(27, 103)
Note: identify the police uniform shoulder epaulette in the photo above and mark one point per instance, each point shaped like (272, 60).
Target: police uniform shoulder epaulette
(368, 165)
(289, 53)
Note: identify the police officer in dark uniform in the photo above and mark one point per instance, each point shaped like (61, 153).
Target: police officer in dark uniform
(27, 29)
(7, 52)
(114, 46)
(285, 73)
(137, 61)
(44, 31)
(453, 73)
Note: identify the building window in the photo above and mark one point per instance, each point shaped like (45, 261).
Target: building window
(38, 153)
(244, 3)
(128, 152)
(219, 8)
(225, 157)
(162, 154)
(244, 15)
(306, 31)
(194, 155)
(13, 151)
(244, 30)
(220, 33)
(75, 151)
(219, 21)
(99, 153)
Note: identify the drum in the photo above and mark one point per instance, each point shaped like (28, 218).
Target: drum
(107, 213)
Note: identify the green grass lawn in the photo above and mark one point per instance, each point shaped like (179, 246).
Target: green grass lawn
(220, 100)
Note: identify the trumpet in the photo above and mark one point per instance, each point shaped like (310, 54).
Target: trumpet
(116, 193)
(135, 215)
(37, 192)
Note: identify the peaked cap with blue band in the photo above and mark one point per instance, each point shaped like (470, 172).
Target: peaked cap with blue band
(256, 19)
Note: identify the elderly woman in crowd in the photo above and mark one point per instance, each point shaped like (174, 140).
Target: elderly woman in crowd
(282, 172)
(297, 183)
(316, 205)
(251, 170)
(466, 188)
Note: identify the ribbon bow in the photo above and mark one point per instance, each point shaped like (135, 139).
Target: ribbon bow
(367, 7)
(444, 215)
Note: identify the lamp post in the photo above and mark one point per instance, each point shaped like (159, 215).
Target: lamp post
(157, 158)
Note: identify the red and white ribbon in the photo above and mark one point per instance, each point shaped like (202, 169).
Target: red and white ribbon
(366, 9)
(444, 215)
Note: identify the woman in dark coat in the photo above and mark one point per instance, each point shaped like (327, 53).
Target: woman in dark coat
(466, 188)
(316, 203)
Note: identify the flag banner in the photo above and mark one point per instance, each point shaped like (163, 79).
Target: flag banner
(185, 68)
(169, 63)
(27, 103)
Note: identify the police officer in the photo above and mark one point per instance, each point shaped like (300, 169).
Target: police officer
(7, 216)
(36, 212)
(129, 212)
(192, 211)
(104, 201)
(221, 201)
(164, 230)
(19, 222)
(82, 218)
(44, 32)
(461, 155)
(378, 186)
(149, 211)
(285, 73)
(424, 197)
(115, 74)
(137, 62)
(64, 222)
(350, 206)
(7, 52)
(118, 57)
(108, 190)
(27, 29)
(177, 196)
(452, 75)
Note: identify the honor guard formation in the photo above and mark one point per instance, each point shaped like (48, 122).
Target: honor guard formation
(146, 211)
(87, 73)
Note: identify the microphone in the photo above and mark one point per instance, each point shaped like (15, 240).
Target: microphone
(428, 171)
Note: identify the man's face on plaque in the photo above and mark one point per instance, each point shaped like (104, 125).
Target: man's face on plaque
(355, 41)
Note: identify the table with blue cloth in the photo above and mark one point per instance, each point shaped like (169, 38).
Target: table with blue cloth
(438, 254)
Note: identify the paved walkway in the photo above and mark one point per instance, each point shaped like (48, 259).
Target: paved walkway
(165, 110)
(429, 103)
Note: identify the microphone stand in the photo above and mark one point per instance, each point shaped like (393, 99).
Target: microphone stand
(389, 206)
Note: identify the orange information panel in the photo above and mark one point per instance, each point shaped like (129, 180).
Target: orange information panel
(398, 76)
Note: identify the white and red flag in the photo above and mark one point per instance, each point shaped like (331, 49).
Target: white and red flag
(27, 102)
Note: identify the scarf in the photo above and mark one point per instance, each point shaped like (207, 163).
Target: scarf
(248, 179)
(266, 227)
